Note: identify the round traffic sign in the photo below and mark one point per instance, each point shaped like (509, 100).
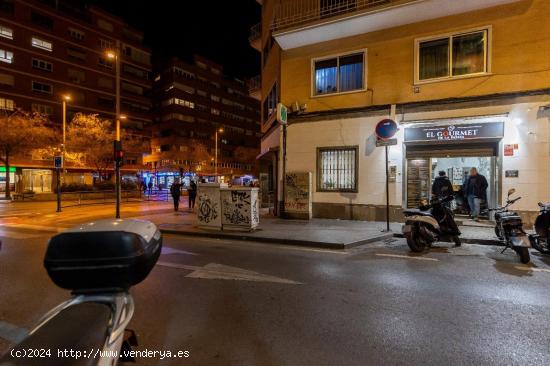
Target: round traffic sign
(386, 129)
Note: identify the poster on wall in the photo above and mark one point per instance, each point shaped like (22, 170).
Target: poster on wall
(510, 149)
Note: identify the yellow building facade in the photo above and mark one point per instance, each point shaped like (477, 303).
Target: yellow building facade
(477, 71)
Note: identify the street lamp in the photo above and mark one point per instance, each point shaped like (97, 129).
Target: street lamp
(220, 130)
(65, 98)
(115, 55)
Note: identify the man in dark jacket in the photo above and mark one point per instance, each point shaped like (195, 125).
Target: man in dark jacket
(442, 186)
(475, 190)
(192, 194)
(175, 191)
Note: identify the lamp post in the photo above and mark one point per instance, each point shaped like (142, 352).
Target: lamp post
(66, 98)
(220, 130)
(115, 55)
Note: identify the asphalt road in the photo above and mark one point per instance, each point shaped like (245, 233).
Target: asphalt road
(240, 303)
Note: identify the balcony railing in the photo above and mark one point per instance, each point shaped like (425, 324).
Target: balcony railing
(255, 32)
(254, 83)
(293, 13)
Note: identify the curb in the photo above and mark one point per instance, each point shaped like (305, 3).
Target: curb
(303, 243)
(494, 242)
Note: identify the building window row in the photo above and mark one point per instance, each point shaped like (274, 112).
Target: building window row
(7, 80)
(178, 116)
(6, 32)
(42, 65)
(270, 103)
(42, 44)
(6, 56)
(42, 109)
(7, 104)
(179, 101)
(42, 87)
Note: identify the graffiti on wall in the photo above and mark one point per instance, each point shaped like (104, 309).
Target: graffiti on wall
(297, 186)
(208, 209)
(236, 207)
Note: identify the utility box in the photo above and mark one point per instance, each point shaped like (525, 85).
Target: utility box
(298, 195)
(209, 206)
(240, 208)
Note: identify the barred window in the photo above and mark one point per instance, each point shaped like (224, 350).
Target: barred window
(337, 169)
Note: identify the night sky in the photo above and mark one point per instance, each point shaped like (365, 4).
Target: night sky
(216, 29)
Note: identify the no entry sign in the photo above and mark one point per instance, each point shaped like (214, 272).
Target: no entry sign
(386, 129)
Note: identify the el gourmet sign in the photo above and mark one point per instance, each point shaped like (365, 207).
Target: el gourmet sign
(455, 132)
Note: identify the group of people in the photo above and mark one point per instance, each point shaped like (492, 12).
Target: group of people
(176, 191)
(474, 190)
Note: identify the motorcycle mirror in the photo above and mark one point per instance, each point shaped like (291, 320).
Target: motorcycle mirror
(511, 191)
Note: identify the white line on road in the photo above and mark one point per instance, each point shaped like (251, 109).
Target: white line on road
(34, 227)
(168, 250)
(407, 257)
(534, 269)
(215, 271)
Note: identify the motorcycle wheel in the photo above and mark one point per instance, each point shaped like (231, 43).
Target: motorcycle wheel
(415, 242)
(541, 246)
(523, 253)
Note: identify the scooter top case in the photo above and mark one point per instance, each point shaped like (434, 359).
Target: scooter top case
(104, 255)
(542, 222)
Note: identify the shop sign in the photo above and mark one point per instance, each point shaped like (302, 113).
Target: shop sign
(456, 132)
(3, 169)
(388, 142)
(511, 174)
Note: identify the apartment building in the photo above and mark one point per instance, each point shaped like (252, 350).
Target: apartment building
(197, 108)
(467, 82)
(261, 39)
(52, 48)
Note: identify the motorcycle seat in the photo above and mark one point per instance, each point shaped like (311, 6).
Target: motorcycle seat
(415, 211)
(81, 327)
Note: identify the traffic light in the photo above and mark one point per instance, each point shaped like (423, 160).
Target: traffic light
(119, 154)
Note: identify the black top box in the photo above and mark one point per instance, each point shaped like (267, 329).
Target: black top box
(105, 255)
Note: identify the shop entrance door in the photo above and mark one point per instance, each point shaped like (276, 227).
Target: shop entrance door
(424, 164)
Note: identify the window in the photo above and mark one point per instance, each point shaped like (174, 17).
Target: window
(105, 83)
(106, 102)
(42, 109)
(42, 65)
(215, 98)
(137, 55)
(452, 56)
(42, 20)
(202, 93)
(41, 87)
(134, 71)
(42, 44)
(178, 101)
(337, 169)
(7, 80)
(339, 74)
(76, 54)
(105, 25)
(76, 76)
(6, 32)
(106, 63)
(105, 44)
(270, 104)
(130, 88)
(215, 111)
(76, 34)
(6, 56)
(7, 104)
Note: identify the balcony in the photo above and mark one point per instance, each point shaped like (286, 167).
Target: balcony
(255, 37)
(300, 23)
(255, 87)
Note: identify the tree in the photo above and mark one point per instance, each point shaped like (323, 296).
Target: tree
(92, 137)
(22, 132)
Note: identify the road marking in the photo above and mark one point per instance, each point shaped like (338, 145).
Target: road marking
(168, 250)
(12, 333)
(407, 257)
(35, 227)
(215, 271)
(534, 269)
(10, 234)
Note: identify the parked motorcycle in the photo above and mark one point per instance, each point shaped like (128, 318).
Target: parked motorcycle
(98, 262)
(509, 229)
(541, 239)
(430, 223)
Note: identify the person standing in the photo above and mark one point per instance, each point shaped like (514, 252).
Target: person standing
(442, 186)
(192, 190)
(175, 191)
(475, 190)
(150, 186)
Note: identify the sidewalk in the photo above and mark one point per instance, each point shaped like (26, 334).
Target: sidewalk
(322, 233)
